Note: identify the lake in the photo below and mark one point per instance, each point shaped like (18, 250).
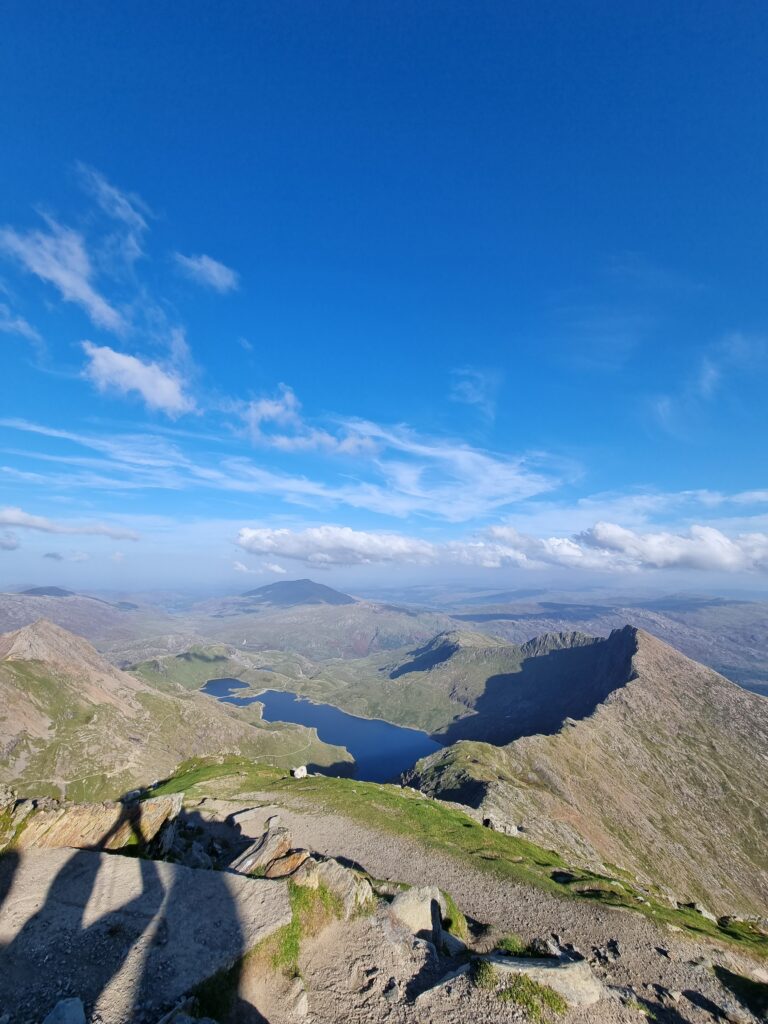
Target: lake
(381, 750)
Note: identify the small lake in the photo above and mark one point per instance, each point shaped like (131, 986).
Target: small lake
(381, 750)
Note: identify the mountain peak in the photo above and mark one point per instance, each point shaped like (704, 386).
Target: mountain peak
(295, 592)
(43, 640)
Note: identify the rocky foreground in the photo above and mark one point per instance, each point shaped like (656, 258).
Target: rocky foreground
(252, 910)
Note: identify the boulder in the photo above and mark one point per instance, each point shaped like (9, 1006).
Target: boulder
(67, 1011)
(275, 843)
(572, 979)
(300, 772)
(421, 911)
(284, 866)
(352, 889)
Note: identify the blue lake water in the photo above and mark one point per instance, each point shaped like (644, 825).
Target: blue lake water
(381, 750)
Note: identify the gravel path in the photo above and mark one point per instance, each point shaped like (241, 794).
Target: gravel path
(653, 959)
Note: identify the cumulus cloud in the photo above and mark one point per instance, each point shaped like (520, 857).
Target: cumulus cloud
(208, 272)
(277, 421)
(8, 540)
(16, 517)
(161, 389)
(12, 324)
(241, 567)
(55, 556)
(59, 256)
(335, 545)
(275, 568)
(605, 547)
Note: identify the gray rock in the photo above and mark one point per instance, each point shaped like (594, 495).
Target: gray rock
(196, 857)
(352, 889)
(572, 979)
(452, 945)
(67, 1011)
(420, 910)
(300, 772)
(275, 842)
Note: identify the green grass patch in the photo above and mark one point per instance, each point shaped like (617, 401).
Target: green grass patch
(540, 1002)
(455, 922)
(483, 975)
(513, 945)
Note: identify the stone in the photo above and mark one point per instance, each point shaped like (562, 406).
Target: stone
(420, 910)
(67, 1011)
(284, 866)
(444, 982)
(452, 944)
(168, 924)
(572, 979)
(196, 857)
(275, 843)
(300, 772)
(352, 889)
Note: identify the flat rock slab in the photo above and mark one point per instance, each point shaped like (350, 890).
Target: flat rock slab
(126, 935)
(572, 979)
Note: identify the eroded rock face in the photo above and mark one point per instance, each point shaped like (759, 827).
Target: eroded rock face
(49, 824)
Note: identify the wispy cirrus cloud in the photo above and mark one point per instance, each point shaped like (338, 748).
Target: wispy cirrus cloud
(718, 365)
(59, 256)
(11, 323)
(476, 387)
(161, 389)
(19, 519)
(208, 272)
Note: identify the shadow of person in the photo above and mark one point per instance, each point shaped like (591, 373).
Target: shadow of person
(199, 922)
(62, 947)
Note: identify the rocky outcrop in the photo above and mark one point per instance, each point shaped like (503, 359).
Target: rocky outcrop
(123, 930)
(352, 889)
(46, 823)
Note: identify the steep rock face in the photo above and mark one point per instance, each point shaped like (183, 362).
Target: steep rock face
(666, 776)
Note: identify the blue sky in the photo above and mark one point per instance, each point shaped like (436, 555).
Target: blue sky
(393, 291)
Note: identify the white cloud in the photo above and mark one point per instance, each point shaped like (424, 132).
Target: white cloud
(605, 547)
(208, 272)
(240, 567)
(123, 206)
(283, 410)
(335, 545)
(12, 324)
(59, 256)
(275, 568)
(472, 386)
(16, 517)
(161, 389)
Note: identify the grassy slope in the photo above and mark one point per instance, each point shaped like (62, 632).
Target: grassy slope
(99, 751)
(448, 831)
